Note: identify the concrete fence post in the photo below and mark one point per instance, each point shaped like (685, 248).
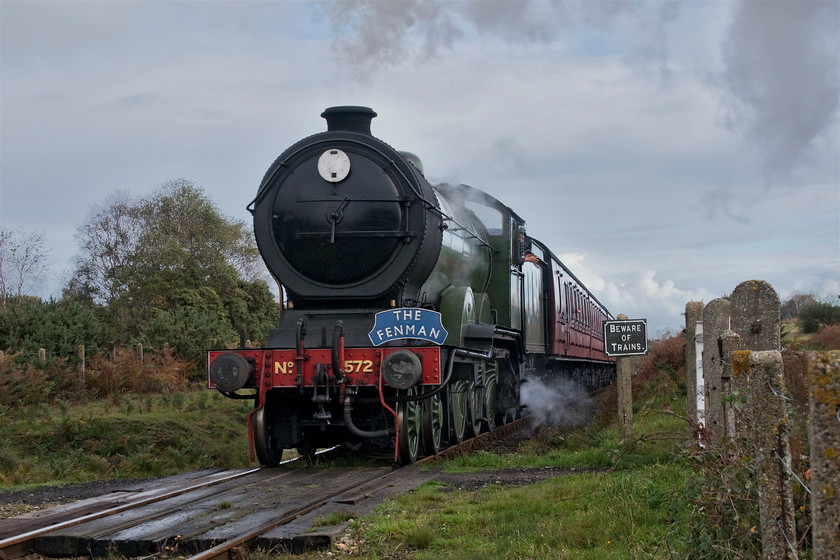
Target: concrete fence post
(756, 319)
(715, 322)
(693, 313)
(624, 374)
(756, 313)
(730, 343)
(42, 356)
(700, 388)
(772, 455)
(140, 353)
(824, 436)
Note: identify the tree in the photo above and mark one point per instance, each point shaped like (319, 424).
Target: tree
(188, 252)
(23, 263)
(794, 305)
(182, 228)
(172, 263)
(108, 240)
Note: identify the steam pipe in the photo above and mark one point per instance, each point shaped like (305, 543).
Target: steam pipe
(351, 427)
(348, 401)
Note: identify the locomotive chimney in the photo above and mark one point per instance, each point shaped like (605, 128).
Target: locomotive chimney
(351, 119)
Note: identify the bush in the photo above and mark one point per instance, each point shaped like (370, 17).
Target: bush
(818, 315)
(723, 496)
(59, 327)
(23, 383)
(663, 368)
(829, 337)
(190, 332)
(160, 372)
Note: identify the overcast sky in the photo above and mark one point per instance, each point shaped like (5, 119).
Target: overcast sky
(665, 151)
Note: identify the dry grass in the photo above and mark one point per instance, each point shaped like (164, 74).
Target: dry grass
(160, 372)
(829, 337)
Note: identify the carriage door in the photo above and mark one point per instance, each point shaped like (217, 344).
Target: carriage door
(533, 301)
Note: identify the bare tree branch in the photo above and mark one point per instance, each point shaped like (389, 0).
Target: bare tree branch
(23, 263)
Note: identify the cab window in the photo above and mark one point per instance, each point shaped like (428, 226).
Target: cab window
(490, 217)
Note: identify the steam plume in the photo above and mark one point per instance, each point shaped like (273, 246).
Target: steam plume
(557, 402)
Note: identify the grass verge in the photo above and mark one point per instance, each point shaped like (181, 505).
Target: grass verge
(124, 436)
(630, 507)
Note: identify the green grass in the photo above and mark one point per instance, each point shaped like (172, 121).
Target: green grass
(656, 433)
(583, 516)
(629, 507)
(125, 436)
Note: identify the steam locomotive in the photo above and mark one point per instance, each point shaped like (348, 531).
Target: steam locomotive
(412, 312)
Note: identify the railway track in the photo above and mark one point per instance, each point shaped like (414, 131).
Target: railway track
(208, 514)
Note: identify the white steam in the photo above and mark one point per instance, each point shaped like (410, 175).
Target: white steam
(557, 401)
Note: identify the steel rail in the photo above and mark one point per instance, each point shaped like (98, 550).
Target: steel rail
(24, 537)
(219, 552)
(18, 541)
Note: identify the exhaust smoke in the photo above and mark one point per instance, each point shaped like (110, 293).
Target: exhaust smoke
(557, 401)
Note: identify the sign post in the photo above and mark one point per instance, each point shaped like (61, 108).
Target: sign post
(624, 338)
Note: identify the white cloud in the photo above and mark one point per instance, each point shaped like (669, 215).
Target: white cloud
(601, 124)
(639, 295)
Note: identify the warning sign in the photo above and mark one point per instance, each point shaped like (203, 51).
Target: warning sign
(625, 338)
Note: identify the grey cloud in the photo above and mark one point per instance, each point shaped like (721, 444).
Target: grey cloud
(720, 203)
(138, 100)
(517, 21)
(781, 60)
(781, 71)
(370, 34)
(53, 33)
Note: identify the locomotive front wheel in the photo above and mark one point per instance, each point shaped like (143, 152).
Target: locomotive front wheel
(410, 417)
(458, 403)
(265, 444)
(432, 425)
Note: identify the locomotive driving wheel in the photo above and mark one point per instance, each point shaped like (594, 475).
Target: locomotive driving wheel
(265, 443)
(490, 401)
(458, 397)
(475, 406)
(433, 415)
(410, 418)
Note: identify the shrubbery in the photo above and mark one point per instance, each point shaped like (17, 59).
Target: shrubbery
(166, 269)
(59, 327)
(817, 315)
(24, 382)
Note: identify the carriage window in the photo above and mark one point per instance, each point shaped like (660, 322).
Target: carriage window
(538, 252)
(490, 217)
